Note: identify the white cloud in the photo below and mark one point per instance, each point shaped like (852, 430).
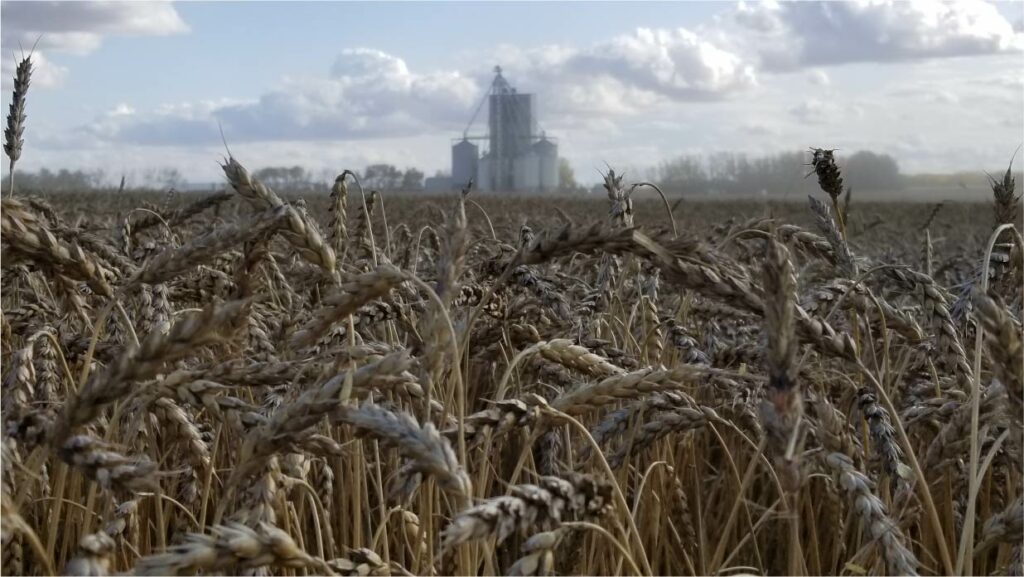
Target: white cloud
(122, 109)
(181, 124)
(590, 99)
(676, 63)
(632, 72)
(372, 94)
(1011, 81)
(757, 129)
(927, 93)
(76, 28)
(141, 18)
(991, 86)
(791, 35)
(818, 77)
(368, 94)
(815, 111)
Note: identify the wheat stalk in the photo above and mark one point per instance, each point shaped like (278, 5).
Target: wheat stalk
(528, 506)
(14, 132)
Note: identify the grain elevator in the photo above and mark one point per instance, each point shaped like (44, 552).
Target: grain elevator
(516, 157)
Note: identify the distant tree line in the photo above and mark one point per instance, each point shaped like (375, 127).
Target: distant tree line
(389, 177)
(384, 177)
(65, 180)
(292, 179)
(733, 174)
(62, 180)
(720, 174)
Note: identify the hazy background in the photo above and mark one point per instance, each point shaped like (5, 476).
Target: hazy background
(704, 97)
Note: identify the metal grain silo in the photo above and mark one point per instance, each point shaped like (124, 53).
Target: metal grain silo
(465, 158)
(484, 182)
(515, 159)
(547, 164)
(526, 170)
(511, 125)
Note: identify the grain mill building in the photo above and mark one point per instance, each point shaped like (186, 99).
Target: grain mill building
(517, 158)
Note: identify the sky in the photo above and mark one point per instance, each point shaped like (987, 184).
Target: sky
(131, 86)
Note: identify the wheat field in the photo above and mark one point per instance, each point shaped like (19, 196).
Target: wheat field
(249, 384)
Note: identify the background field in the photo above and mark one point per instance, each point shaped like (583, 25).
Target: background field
(497, 385)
